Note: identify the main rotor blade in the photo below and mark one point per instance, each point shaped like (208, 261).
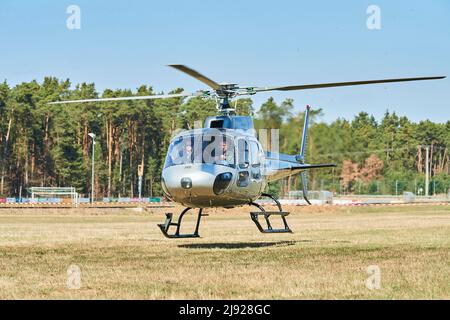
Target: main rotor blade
(342, 84)
(162, 96)
(197, 75)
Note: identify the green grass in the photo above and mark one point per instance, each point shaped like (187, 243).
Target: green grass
(122, 254)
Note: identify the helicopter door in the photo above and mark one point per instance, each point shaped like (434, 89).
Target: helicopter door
(243, 163)
(255, 161)
(255, 168)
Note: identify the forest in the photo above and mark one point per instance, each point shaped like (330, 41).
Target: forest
(49, 145)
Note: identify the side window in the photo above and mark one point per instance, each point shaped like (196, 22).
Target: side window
(256, 161)
(243, 154)
(255, 154)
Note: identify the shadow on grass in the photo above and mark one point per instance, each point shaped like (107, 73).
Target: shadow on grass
(252, 245)
(238, 245)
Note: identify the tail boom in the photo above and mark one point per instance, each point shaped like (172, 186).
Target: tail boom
(282, 165)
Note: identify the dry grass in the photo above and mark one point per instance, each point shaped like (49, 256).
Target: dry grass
(122, 254)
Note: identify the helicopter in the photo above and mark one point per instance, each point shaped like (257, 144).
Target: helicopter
(224, 164)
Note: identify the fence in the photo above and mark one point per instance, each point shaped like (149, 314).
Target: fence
(79, 200)
(379, 187)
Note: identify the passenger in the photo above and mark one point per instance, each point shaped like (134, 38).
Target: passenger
(188, 150)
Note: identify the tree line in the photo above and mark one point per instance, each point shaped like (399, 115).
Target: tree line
(49, 145)
(385, 157)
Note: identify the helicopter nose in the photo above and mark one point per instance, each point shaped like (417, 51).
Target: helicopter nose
(189, 185)
(196, 185)
(186, 183)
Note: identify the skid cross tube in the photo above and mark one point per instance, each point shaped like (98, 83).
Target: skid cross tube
(267, 214)
(166, 225)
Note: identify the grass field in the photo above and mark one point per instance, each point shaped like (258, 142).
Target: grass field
(122, 254)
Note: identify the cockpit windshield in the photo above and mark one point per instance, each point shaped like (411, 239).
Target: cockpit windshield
(208, 148)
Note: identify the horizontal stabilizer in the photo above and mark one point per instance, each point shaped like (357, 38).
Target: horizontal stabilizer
(282, 169)
(312, 166)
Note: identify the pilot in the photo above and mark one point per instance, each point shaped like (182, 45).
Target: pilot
(226, 156)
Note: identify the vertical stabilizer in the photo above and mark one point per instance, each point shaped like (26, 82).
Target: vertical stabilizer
(304, 136)
(302, 155)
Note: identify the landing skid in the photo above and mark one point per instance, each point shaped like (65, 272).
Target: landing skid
(267, 214)
(168, 223)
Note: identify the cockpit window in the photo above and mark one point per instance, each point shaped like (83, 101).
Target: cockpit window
(201, 148)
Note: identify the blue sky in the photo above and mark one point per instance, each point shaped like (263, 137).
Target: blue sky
(123, 44)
